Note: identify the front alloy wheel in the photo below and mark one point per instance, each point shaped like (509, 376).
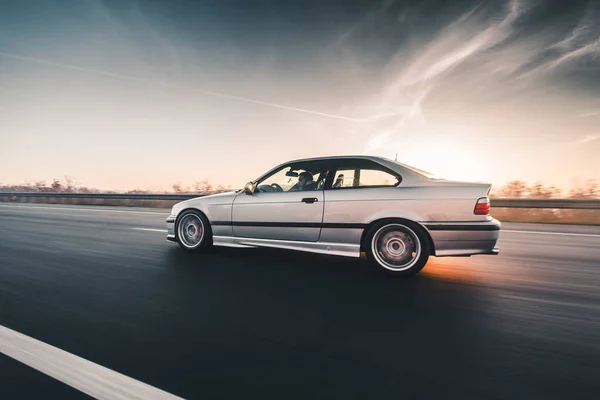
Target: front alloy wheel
(192, 230)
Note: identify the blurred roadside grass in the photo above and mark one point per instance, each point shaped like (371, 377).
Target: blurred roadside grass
(547, 216)
(589, 189)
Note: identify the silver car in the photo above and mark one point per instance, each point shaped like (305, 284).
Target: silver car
(396, 214)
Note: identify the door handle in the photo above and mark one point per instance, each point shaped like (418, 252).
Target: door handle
(309, 200)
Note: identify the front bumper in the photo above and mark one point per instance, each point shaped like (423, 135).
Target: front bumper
(171, 228)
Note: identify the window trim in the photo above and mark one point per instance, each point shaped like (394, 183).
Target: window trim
(276, 170)
(338, 165)
(270, 174)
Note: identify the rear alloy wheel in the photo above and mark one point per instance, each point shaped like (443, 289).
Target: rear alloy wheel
(193, 231)
(399, 248)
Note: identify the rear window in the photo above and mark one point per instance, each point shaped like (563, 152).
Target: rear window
(363, 173)
(426, 174)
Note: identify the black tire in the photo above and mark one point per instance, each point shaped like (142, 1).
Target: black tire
(398, 237)
(186, 242)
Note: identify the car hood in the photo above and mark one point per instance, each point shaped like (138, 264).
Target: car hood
(223, 195)
(217, 198)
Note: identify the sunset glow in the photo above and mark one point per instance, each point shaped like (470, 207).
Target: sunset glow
(121, 97)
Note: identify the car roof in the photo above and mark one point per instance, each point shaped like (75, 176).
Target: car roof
(409, 175)
(386, 162)
(339, 157)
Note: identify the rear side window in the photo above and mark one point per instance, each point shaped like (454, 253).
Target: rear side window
(363, 174)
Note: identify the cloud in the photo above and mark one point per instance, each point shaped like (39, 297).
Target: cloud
(401, 101)
(475, 57)
(587, 49)
(578, 34)
(173, 86)
(574, 37)
(590, 114)
(455, 45)
(367, 19)
(582, 41)
(587, 139)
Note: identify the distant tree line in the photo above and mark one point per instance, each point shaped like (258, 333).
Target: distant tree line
(587, 189)
(67, 185)
(579, 190)
(200, 187)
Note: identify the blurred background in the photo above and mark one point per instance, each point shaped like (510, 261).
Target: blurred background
(144, 103)
(121, 95)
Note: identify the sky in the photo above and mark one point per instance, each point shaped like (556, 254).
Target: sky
(125, 94)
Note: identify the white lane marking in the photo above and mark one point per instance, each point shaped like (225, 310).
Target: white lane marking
(551, 233)
(166, 213)
(86, 376)
(150, 230)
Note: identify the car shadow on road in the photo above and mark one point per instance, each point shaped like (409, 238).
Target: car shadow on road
(277, 261)
(333, 313)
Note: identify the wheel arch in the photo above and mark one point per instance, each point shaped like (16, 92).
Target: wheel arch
(409, 222)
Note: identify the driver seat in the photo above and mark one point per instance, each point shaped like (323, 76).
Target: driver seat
(322, 179)
(312, 185)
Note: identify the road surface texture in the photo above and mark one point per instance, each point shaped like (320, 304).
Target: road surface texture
(105, 285)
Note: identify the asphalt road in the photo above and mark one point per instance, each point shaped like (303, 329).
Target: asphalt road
(256, 323)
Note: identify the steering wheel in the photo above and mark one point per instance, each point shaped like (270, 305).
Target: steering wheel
(277, 187)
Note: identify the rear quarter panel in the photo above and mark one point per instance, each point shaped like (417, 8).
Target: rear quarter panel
(425, 203)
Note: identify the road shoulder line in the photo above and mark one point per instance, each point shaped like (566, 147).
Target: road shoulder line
(79, 373)
(150, 230)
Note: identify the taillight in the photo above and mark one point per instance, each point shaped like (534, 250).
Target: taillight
(482, 207)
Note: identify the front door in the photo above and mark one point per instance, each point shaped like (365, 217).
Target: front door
(288, 205)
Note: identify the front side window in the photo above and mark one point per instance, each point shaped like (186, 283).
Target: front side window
(294, 178)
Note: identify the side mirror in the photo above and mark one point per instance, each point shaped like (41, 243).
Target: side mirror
(249, 188)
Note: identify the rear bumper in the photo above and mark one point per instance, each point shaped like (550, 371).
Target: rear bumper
(171, 228)
(464, 238)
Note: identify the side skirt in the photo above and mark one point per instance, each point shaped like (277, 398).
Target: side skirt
(338, 249)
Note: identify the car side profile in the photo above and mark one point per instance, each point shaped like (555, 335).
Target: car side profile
(397, 215)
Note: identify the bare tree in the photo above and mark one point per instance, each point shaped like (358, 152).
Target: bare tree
(514, 189)
(221, 189)
(589, 189)
(538, 190)
(138, 191)
(56, 186)
(68, 184)
(40, 186)
(178, 188)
